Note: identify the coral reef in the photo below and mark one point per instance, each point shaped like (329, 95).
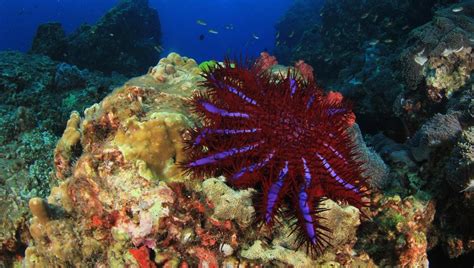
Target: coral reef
(125, 40)
(302, 16)
(355, 47)
(438, 61)
(36, 96)
(68, 77)
(398, 234)
(50, 89)
(461, 164)
(410, 78)
(119, 193)
(440, 51)
(50, 39)
(109, 192)
(440, 130)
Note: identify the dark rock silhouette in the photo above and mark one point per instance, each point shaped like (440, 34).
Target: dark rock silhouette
(123, 40)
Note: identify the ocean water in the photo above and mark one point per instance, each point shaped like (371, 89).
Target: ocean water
(249, 19)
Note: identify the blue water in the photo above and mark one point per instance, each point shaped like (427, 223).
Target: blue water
(20, 18)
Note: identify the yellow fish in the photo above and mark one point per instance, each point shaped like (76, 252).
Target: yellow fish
(201, 22)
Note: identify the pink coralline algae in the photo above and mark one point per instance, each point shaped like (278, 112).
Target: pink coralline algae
(266, 61)
(305, 69)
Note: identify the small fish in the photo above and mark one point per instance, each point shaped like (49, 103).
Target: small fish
(111, 34)
(291, 34)
(337, 34)
(405, 27)
(365, 15)
(354, 81)
(449, 51)
(374, 42)
(201, 37)
(277, 43)
(159, 48)
(255, 36)
(201, 22)
(470, 187)
(213, 31)
(277, 35)
(375, 18)
(420, 58)
(457, 9)
(388, 24)
(229, 27)
(388, 41)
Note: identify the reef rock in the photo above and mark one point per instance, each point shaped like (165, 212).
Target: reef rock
(439, 131)
(438, 60)
(440, 53)
(125, 40)
(68, 77)
(121, 195)
(457, 212)
(398, 233)
(407, 65)
(50, 89)
(36, 99)
(461, 164)
(50, 39)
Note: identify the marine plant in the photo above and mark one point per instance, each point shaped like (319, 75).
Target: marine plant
(206, 66)
(282, 135)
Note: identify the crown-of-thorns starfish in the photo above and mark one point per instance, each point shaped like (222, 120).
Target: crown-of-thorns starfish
(282, 135)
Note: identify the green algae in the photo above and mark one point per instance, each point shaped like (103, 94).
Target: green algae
(206, 66)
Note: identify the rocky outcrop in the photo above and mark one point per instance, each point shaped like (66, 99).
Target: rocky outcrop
(125, 40)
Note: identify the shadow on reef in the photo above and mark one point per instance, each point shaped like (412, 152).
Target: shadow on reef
(125, 40)
(438, 259)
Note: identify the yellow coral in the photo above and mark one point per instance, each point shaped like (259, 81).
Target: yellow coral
(173, 66)
(64, 148)
(156, 144)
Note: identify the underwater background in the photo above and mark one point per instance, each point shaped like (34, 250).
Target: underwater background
(243, 18)
(287, 133)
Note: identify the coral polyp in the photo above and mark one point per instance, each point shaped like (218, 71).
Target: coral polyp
(282, 135)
